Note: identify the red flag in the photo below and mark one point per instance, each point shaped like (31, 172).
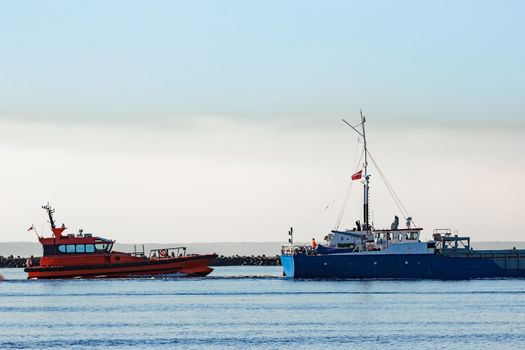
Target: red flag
(31, 228)
(357, 175)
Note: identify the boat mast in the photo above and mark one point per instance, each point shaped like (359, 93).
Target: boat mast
(50, 212)
(366, 188)
(366, 184)
(57, 231)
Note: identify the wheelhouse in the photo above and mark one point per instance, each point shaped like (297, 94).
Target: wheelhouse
(398, 235)
(76, 245)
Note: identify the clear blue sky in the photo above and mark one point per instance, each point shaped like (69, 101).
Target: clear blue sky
(456, 63)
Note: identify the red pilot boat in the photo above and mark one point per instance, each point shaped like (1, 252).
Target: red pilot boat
(87, 256)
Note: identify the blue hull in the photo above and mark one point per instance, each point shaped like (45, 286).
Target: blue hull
(398, 266)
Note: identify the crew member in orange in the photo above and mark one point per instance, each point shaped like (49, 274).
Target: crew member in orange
(314, 243)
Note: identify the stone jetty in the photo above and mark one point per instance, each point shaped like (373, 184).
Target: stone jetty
(235, 260)
(11, 261)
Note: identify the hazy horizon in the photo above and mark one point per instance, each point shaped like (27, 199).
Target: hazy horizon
(25, 249)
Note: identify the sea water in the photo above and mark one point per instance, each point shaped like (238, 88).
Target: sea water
(254, 307)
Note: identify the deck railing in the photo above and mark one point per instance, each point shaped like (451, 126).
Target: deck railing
(296, 249)
(164, 253)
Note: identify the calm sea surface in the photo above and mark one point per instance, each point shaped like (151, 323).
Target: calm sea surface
(253, 307)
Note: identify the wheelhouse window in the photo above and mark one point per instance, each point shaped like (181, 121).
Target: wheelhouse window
(412, 235)
(103, 247)
(79, 248)
(69, 249)
(100, 248)
(49, 250)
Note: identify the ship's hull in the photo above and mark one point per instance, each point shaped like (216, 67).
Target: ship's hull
(401, 266)
(190, 266)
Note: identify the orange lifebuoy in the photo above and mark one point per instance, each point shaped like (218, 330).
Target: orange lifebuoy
(163, 253)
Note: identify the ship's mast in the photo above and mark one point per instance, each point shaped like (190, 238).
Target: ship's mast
(50, 212)
(366, 185)
(366, 188)
(57, 231)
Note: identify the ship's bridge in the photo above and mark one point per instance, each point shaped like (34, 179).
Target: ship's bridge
(376, 239)
(76, 244)
(392, 240)
(401, 241)
(398, 235)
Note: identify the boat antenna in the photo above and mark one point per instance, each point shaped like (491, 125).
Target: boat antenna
(57, 231)
(50, 212)
(366, 186)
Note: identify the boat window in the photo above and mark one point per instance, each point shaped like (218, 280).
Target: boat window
(62, 248)
(100, 248)
(110, 245)
(70, 248)
(80, 248)
(411, 235)
(49, 250)
(90, 248)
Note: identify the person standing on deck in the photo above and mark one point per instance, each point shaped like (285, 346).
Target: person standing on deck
(314, 243)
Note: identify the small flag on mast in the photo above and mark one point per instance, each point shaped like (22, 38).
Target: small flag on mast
(357, 175)
(31, 228)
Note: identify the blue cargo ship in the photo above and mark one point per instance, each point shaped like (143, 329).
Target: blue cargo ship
(364, 252)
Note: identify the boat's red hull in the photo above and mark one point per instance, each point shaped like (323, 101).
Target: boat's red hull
(184, 266)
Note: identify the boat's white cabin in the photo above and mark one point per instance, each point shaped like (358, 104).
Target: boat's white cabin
(345, 239)
(375, 240)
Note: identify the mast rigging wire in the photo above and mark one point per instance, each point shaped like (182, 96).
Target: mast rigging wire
(348, 191)
(320, 213)
(390, 189)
